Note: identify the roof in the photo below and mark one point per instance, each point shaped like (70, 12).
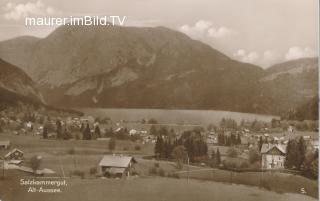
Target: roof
(13, 150)
(267, 147)
(7, 142)
(116, 161)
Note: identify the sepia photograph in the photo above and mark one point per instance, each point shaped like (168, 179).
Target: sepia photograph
(159, 100)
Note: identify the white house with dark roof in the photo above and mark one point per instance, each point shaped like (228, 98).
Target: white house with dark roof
(273, 156)
(117, 165)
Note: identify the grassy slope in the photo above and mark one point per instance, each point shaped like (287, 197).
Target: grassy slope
(147, 189)
(88, 153)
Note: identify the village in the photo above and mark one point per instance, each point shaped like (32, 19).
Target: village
(84, 147)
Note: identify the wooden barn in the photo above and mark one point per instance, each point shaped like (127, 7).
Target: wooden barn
(117, 165)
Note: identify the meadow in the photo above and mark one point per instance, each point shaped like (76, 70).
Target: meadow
(146, 189)
(66, 156)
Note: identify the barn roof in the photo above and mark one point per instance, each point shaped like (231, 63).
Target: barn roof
(14, 150)
(116, 161)
(267, 147)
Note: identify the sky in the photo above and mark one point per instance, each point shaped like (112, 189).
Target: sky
(261, 32)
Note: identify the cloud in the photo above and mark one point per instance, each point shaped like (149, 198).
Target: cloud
(15, 11)
(247, 57)
(205, 29)
(220, 32)
(298, 52)
(265, 59)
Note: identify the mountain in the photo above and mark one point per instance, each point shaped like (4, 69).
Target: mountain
(19, 93)
(92, 66)
(13, 79)
(291, 84)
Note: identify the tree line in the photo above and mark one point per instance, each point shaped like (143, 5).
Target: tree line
(192, 141)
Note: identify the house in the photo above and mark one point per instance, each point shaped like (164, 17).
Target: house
(15, 154)
(117, 165)
(4, 144)
(273, 156)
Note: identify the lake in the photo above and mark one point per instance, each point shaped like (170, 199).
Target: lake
(203, 117)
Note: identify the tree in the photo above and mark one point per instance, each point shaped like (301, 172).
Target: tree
(35, 163)
(112, 144)
(315, 168)
(152, 121)
(82, 127)
(45, 132)
(301, 152)
(153, 130)
(59, 129)
(97, 131)
(163, 131)
(87, 133)
(179, 153)
(213, 158)
(238, 139)
(254, 156)
(218, 157)
(260, 143)
(291, 155)
(158, 149)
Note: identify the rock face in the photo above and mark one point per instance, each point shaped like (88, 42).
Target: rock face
(94, 66)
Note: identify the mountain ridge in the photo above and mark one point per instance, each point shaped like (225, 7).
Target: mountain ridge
(147, 68)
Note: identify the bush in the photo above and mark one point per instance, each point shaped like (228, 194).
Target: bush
(156, 165)
(112, 144)
(77, 136)
(35, 162)
(152, 171)
(125, 148)
(244, 165)
(71, 151)
(265, 184)
(254, 156)
(93, 170)
(174, 175)
(161, 172)
(232, 152)
(137, 148)
(78, 173)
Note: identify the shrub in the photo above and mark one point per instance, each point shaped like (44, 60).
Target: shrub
(174, 175)
(125, 148)
(35, 162)
(156, 165)
(152, 171)
(161, 172)
(93, 170)
(78, 173)
(244, 164)
(137, 148)
(112, 144)
(133, 173)
(254, 156)
(71, 151)
(232, 152)
(265, 184)
(77, 136)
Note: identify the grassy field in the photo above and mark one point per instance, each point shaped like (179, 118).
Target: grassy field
(146, 189)
(87, 154)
